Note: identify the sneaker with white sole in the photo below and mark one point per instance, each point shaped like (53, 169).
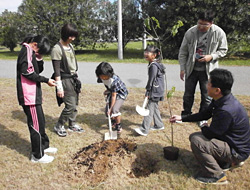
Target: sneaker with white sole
(118, 128)
(140, 132)
(231, 166)
(50, 150)
(45, 159)
(76, 128)
(153, 128)
(178, 121)
(221, 180)
(203, 124)
(60, 130)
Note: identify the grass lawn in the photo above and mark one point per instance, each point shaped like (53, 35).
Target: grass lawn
(132, 54)
(17, 172)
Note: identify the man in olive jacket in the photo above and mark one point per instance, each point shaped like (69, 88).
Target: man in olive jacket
(202, 46)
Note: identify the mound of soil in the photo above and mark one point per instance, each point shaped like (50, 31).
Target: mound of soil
(93, 164)
(109, 160)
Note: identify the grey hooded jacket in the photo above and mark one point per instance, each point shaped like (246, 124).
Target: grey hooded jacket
(217, 47)
(155, 86)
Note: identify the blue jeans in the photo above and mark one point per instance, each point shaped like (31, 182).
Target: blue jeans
(190, 85)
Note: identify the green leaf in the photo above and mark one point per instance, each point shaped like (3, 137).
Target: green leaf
(176, 27)
(156, 21)
(171, 93)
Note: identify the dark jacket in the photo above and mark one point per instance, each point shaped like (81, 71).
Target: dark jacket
(156, 86)
(230, 123)
(28, 80)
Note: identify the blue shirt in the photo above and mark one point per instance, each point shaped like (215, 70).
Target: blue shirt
(230, 123)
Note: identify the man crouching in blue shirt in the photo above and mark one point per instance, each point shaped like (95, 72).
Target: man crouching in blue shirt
(226, 143)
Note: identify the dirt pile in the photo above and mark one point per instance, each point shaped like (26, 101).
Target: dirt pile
(108, 160)
(94, 163)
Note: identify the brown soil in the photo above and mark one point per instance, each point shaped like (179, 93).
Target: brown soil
(95, 162)
(98, 162)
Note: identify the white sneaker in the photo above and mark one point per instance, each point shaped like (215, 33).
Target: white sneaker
(203, 123)
(60, 130)
(50, 150)
(178, 121)
(75, 128)
(44, 159)
(153, 128)
(138, 130)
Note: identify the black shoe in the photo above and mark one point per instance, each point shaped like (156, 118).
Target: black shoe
(113, 121)
(221, 180)
(231, 166)
(118, 128)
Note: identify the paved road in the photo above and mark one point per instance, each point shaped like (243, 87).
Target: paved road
(135, 75)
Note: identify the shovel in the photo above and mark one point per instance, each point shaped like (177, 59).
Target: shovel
(111, 134)
(141, 110)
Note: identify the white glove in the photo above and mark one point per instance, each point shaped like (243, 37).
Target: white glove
(59, 86)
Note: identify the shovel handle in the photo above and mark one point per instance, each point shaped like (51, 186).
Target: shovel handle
(110, 126)
(145, 102)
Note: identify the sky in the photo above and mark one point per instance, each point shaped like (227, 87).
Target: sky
(11, 5)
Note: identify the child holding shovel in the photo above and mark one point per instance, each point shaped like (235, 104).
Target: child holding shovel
(116, 92)
(154, 91)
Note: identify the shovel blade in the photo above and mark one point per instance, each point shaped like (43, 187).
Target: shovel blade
(142, 111)
(110, 135)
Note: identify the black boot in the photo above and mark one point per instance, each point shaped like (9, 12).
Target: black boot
(118, 128)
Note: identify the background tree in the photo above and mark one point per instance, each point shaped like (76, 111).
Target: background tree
(152, 26)
(47, 17)
(97, 20)
(9, 29)
(106, 21)
(132, 23)
(232, 16)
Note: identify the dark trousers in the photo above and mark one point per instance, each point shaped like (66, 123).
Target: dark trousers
(210, 154)
(190, 85)
(70, 100)
(69, 112)
(36, 124)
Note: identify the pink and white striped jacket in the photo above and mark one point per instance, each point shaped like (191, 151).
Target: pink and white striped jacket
(28, 79)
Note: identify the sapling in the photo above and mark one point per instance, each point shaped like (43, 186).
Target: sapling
(171, 152)
(152, 27)
(169, 98)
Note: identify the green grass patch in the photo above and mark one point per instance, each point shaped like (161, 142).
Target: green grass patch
(108, 52)
(235, 62)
